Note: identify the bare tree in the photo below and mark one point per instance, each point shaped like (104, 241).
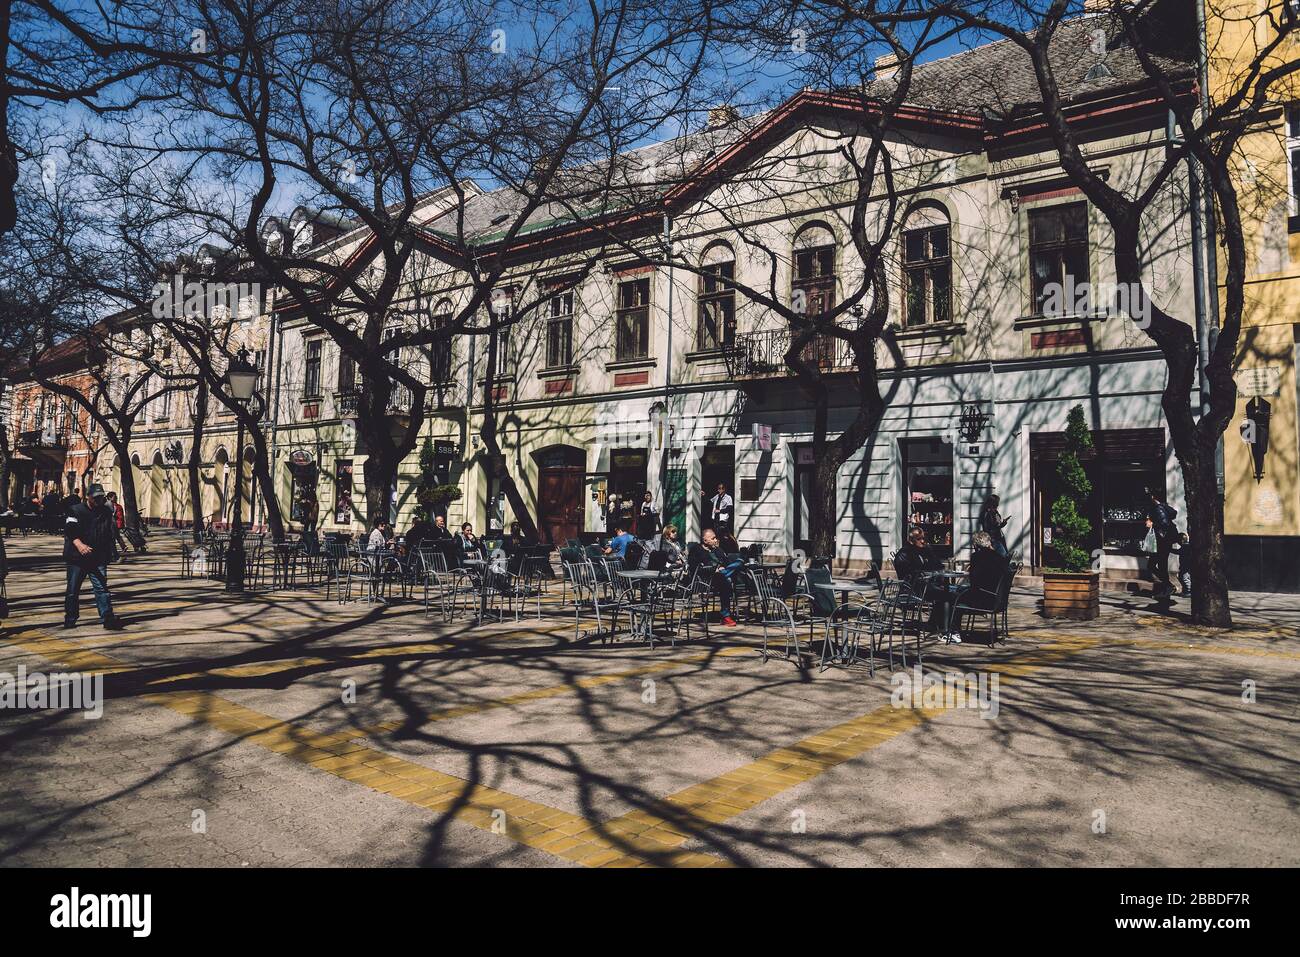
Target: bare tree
(1208, 134)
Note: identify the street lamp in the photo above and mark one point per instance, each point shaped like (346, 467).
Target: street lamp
(241, 378)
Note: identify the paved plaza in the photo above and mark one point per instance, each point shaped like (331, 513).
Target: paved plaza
(287, 729)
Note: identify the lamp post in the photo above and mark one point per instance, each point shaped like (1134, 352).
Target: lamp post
(241, 378)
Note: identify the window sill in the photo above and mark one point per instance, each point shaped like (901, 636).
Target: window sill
(945, 330)
(318, 397)
(708, 355)
(498, 380)
(621, 365)
(1040, 321)
(558, 372)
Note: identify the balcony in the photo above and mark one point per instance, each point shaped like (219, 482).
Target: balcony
(438, 398)
(761, 355)
(46, 439)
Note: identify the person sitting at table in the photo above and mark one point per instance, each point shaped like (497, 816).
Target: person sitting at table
(914, 564)
(727, 542)
(617, 546)
(916, 556)
(516, 542)
(439, 531)
(988, 567)
(668, 543)
(378, 539)
(418, 532)
(707, 557)
(468, 545)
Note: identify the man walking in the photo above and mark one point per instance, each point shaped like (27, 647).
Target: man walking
(119, 523)
(1160, 519)
(89, 532)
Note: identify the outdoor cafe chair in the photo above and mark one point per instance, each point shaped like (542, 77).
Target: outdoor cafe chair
(822, 608)
(767, 609)
(448, 584)
(972, 602)
(527, 582)
(586, 590)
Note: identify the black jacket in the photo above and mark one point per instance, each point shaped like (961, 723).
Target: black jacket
(95, 526)
(1162, 518)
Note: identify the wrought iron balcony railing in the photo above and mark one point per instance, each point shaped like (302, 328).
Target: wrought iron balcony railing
(42, 439)
(347, 405)
(757, 355)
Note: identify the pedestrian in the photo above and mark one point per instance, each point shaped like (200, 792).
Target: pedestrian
(648, 521)
(991, 522)
(721, 507)
(119, 523)
(1184, 550)
(89, 542)
(1160, 519)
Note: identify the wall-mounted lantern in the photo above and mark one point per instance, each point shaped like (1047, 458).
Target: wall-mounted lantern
(972, 422)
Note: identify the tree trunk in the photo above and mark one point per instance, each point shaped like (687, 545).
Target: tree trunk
(492, 445)
(4, 467)
(263, 479)
(196, 460)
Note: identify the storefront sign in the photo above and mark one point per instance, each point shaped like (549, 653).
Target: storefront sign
(445, 449)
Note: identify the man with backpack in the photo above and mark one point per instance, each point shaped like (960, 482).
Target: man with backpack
(89, 542)
(1160, 519)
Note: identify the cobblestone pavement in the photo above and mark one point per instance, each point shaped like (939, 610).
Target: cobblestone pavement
(287, 729)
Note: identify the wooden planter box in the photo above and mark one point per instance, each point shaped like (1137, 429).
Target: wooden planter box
(1071, 595)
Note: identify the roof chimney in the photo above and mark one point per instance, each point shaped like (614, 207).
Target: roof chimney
(723, 115)
(886, 66)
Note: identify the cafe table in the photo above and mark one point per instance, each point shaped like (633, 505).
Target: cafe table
(649, 581)
(844, 650)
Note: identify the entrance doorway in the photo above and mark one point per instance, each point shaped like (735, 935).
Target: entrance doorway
(717, 466)
(559, 493)
(928, 491)
(804, 462)
(627, 485)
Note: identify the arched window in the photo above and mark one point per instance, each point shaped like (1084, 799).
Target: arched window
(716, 326)
(927, 267)
(813, 283)
(440, 349)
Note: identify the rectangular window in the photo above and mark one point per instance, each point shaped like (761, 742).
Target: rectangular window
(440, 350)
(311, 377)
(503, 363)
(1293, 161)
(927, 266)
(717, 325)
(559, 330)
(347, 373)
(1058, 253)
(633, 320)
(814, 280)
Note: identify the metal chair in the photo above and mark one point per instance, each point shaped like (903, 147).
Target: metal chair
(586, 588)
(974, 602)
(767, 608)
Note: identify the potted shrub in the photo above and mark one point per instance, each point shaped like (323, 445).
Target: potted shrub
(1072, 591)
(432, 497)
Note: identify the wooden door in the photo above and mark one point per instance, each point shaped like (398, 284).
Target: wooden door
(559, 504)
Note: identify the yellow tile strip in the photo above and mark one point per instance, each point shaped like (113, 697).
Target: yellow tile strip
(692, 811)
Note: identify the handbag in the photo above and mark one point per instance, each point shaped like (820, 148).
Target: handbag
(1149, 543)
